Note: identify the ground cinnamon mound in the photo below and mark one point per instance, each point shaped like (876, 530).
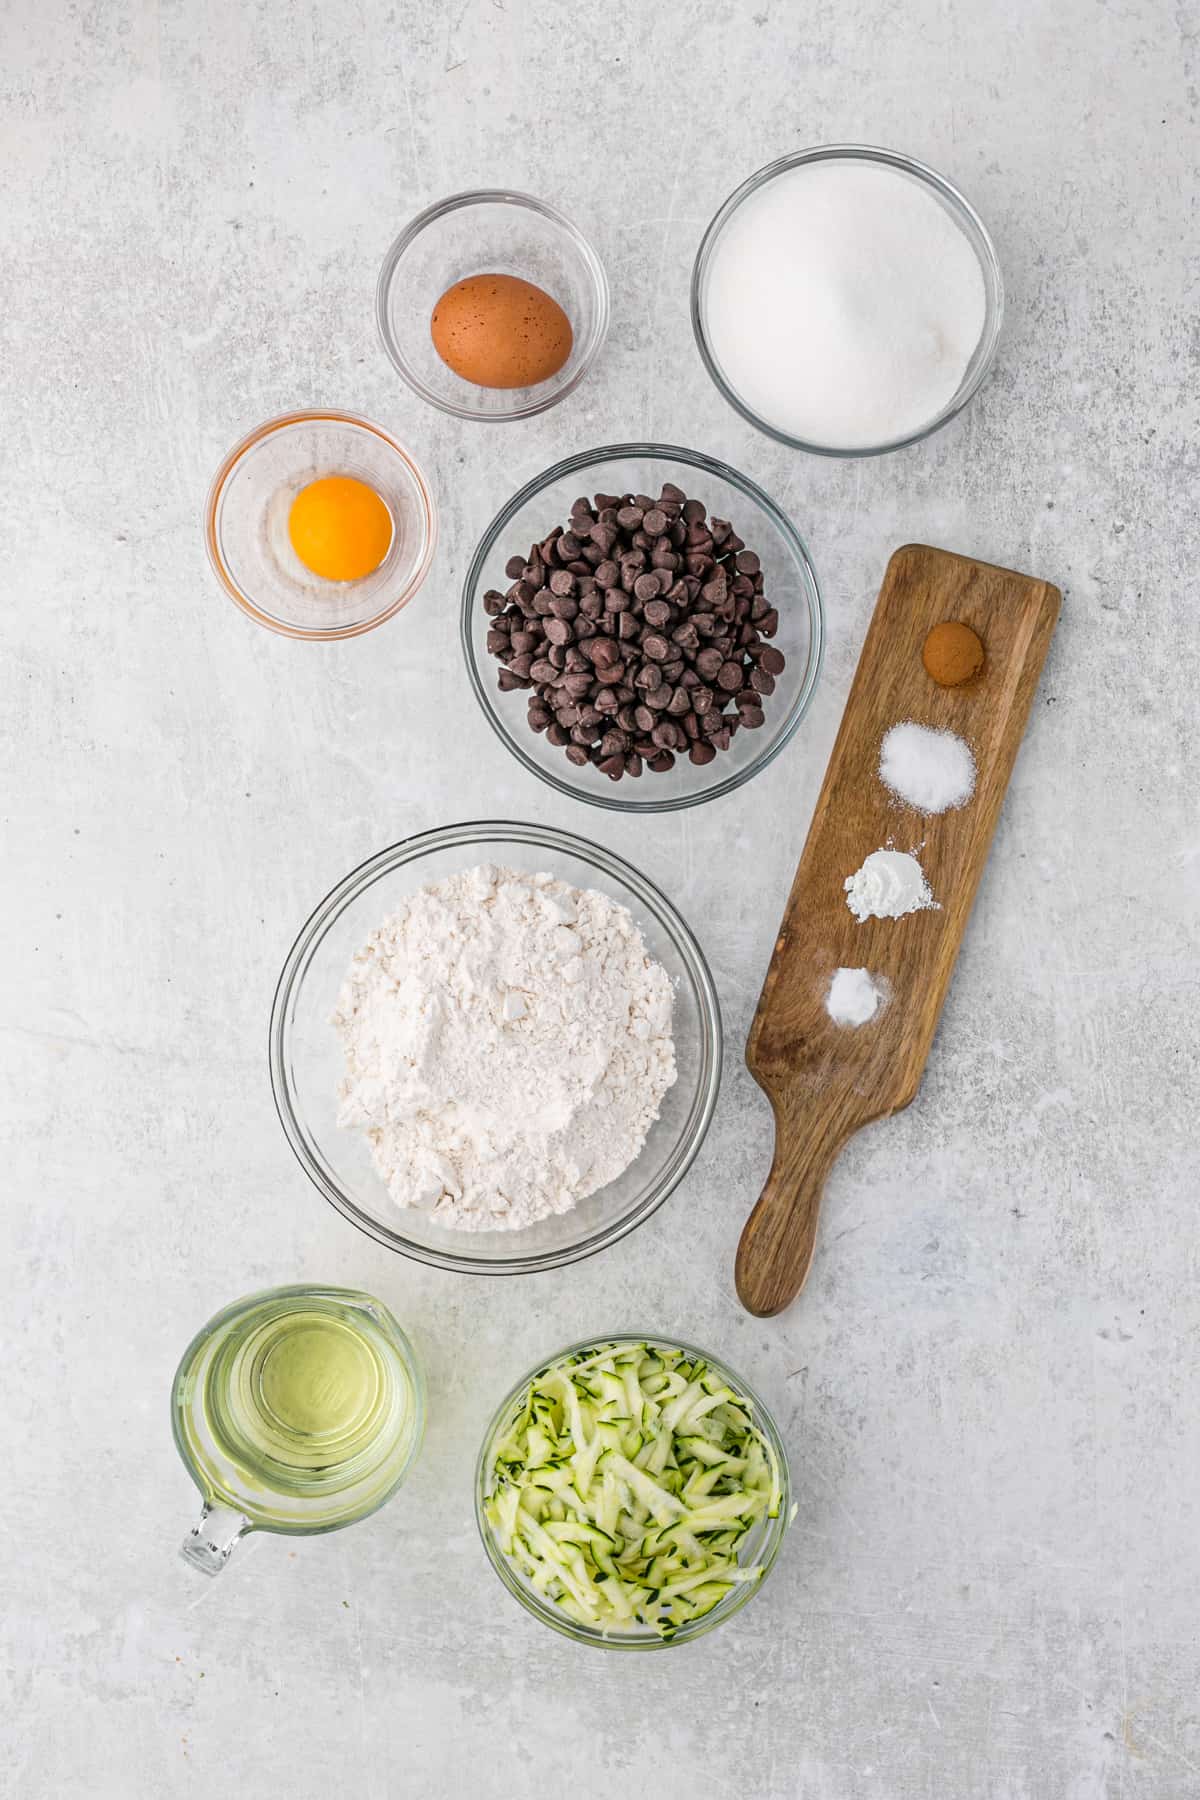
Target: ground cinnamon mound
(953, 653)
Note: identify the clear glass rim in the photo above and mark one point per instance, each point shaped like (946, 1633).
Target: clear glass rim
(546, 1611)
(315, 634)
(480, 832)
(491, 197)
(320, 1291)
(816, 624)
(975, 230)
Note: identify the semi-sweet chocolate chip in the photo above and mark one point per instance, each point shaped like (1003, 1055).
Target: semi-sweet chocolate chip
(640, 630)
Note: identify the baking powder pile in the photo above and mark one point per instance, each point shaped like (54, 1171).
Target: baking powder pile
(890, 884)
(931, 770)
(508, 1045)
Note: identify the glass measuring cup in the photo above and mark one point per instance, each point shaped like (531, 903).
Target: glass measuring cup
(296, 1410)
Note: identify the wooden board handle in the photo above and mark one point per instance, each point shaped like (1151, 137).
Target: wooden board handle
(777, 1243)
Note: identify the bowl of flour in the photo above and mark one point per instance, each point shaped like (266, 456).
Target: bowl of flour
(847, 300)
(495, 1047)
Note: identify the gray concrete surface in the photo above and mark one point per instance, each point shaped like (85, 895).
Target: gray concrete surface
(989, 1386)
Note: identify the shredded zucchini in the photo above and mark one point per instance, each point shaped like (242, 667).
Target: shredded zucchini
(625, 1484)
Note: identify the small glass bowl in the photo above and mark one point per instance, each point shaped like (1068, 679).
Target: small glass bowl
(761, 1546)
(490, 231)
(246, 524)
(791, 586)
(947, 196)
(307, 1062)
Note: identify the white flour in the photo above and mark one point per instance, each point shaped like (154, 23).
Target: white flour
(508, 1044)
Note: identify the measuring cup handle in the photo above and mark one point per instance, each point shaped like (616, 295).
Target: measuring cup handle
(211, 1541)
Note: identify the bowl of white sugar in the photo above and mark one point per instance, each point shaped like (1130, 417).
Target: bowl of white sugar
(847, 300)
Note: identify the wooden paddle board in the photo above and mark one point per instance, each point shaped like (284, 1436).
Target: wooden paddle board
(825, 1080)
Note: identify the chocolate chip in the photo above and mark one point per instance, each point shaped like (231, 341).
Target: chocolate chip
(640, 628)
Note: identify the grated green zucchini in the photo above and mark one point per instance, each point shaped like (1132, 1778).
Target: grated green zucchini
(625, 1485)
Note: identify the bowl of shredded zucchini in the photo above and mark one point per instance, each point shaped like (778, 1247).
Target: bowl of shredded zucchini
(633, 1492)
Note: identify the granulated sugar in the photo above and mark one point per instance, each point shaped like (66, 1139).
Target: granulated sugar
(843, 304)
(931, 770)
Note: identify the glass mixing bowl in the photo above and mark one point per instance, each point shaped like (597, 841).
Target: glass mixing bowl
(791, 586)
(947, 196)
(307, 1063)
(761, 1545)
(246, 524)
(490, 232)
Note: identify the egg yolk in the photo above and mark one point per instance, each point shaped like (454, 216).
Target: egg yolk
(340, 528)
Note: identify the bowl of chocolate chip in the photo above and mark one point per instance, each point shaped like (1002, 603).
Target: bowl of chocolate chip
(643, 627)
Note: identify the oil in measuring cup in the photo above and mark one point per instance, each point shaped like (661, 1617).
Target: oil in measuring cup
(298, 1410)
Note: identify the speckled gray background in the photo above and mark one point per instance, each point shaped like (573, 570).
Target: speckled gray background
(988, 1387)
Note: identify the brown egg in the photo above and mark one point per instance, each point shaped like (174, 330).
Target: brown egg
(500, 332)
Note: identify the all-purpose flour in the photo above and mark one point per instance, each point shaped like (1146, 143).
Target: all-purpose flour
(508, 1045)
